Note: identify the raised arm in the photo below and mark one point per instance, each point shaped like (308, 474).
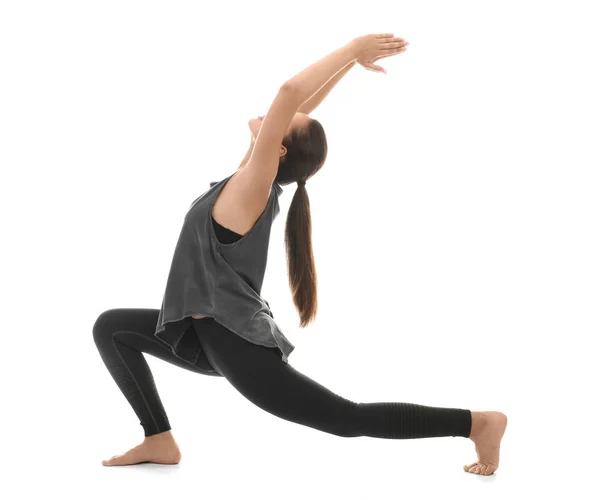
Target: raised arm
(264, 160)
(314, 83)
(310, 80)
(313, 102)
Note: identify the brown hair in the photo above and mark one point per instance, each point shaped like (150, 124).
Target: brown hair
(306, 154)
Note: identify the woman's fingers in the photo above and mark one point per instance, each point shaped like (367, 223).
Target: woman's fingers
(388, 48)
(371, 48)
(394, 45)
(391, 52)
(392, 40)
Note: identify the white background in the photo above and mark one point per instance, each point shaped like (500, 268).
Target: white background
(455, 233)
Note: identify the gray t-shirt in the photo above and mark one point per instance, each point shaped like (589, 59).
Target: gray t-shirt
(219, 280)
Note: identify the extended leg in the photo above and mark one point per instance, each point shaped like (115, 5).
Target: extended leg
(262, 377)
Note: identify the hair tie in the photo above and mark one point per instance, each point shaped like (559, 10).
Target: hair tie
(301, 182)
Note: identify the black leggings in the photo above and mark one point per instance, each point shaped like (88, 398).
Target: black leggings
(259, 374)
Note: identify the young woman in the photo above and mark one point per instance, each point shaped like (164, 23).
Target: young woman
(213, 319)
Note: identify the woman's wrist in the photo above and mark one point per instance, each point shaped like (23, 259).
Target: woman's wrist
(352, 49)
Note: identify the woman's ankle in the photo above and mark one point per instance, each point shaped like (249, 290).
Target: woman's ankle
(161, 436)
(478, 421)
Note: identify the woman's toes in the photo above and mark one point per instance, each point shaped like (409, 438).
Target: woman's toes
(479, 468)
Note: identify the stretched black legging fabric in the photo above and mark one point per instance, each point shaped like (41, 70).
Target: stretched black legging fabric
(259, 374)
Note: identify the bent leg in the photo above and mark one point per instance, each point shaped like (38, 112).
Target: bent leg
(121, 336)
(260, 375)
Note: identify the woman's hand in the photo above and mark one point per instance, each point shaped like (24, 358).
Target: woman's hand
(371, 48)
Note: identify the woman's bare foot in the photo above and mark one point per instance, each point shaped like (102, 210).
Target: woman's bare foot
(158, 448)
(486, 432)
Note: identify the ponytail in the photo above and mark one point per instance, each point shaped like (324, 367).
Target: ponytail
(300, 259)
(306, 154)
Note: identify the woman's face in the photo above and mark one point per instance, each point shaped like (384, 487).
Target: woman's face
(298, 121)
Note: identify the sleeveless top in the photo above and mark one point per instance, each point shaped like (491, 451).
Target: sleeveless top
(219, 280)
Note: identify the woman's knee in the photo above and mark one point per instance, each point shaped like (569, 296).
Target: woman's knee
(101, 329)
(348, 423)
(352, 426)
(342, 421)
